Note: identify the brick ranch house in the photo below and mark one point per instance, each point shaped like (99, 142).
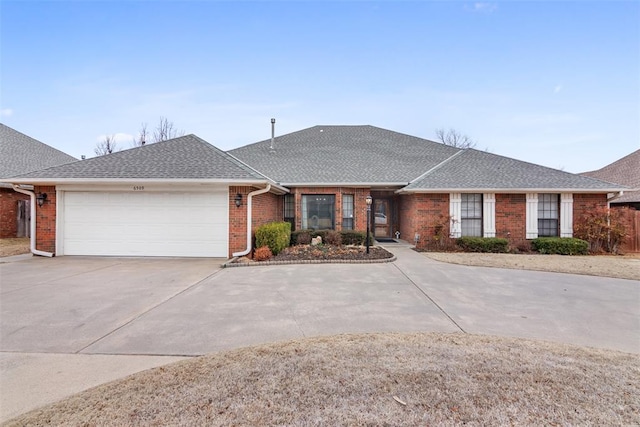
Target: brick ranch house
(184, 197)
(20, 154)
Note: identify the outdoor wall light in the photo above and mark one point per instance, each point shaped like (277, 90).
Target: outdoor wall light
(238, 200)
(41, 198)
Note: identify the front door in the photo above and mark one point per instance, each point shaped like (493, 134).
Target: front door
(381, 218)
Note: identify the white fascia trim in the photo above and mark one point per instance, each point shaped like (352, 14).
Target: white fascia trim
(344, 184)
(10, 186)
(510, 190)
(138, 181)
(54, 181)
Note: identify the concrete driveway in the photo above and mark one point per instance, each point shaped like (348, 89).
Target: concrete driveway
(104, 318)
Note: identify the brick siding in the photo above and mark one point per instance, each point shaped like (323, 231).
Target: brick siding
(511, 217)
(421, 214)
(266, 208)
(583, 203)
(359, 202)
(9, 212)
(46, 220)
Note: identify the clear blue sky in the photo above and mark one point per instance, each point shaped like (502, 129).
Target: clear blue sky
(553, 83)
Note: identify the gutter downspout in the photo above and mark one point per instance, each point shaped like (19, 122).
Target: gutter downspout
(32, 222)
(249, 235)
(615, 196)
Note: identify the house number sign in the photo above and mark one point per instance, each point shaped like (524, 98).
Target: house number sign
(138, 188)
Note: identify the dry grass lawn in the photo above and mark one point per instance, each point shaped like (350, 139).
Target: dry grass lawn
(383, 379)
(15, 246)
(621, 267)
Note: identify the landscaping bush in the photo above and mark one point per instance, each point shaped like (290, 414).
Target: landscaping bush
(275, 235)
(356, 238)
(560, 246)
(333, 237)
(301, 237)
(604, 229)
(263, 253)
(348, 237)
(483, 244)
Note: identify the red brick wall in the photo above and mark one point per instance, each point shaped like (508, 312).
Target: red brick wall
(9, 212)
(46, 220)
(266, 208)
(585, 202)
(511, 217)
(359, 201)
(421, 213)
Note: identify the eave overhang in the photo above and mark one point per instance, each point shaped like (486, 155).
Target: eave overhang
(275, 188)
(512, 190)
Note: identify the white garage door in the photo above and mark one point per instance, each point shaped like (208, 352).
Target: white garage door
(146, 224)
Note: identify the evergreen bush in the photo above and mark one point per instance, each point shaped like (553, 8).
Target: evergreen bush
(275, 235)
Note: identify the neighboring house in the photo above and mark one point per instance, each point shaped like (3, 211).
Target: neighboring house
(184, 197)
(625, 171)
(20, 154)
(181, 197)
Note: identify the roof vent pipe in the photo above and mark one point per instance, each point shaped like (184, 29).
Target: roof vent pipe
(273, 130)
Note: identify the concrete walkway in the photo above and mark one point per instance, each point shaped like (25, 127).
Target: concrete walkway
(71, 323)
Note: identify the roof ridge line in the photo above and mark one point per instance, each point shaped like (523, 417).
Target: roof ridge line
(454, 155)
(250, 167)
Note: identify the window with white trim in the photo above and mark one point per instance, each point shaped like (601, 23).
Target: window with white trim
(548, 215)
(471, 215)
(347, 211)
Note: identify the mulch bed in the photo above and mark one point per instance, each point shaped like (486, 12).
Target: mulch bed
(329, 252)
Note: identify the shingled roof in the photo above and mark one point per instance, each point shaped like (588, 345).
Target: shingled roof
(368, 155)
(184, 158)
(344, 155)
(20, 153)
(625, 171)
(479, 170)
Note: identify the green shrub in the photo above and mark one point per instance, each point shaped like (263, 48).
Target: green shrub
(275, 235)
(357, 238)
(483, 244)
(560, 245)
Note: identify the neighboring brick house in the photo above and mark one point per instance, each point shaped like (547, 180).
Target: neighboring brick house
(625, 171)
(20, 154)
(184, 197)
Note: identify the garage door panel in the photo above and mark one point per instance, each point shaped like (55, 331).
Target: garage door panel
(146, 224)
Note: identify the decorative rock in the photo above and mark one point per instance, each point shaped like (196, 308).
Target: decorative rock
(316, 241)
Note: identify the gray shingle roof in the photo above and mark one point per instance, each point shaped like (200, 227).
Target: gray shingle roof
(472, 169)
(344, 154)
(186, 157)
(625, 171)
(20, 153)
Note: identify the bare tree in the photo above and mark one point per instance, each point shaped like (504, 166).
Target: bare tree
(165, 130)
(143, 136)
(454, 138)
(106, 146)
